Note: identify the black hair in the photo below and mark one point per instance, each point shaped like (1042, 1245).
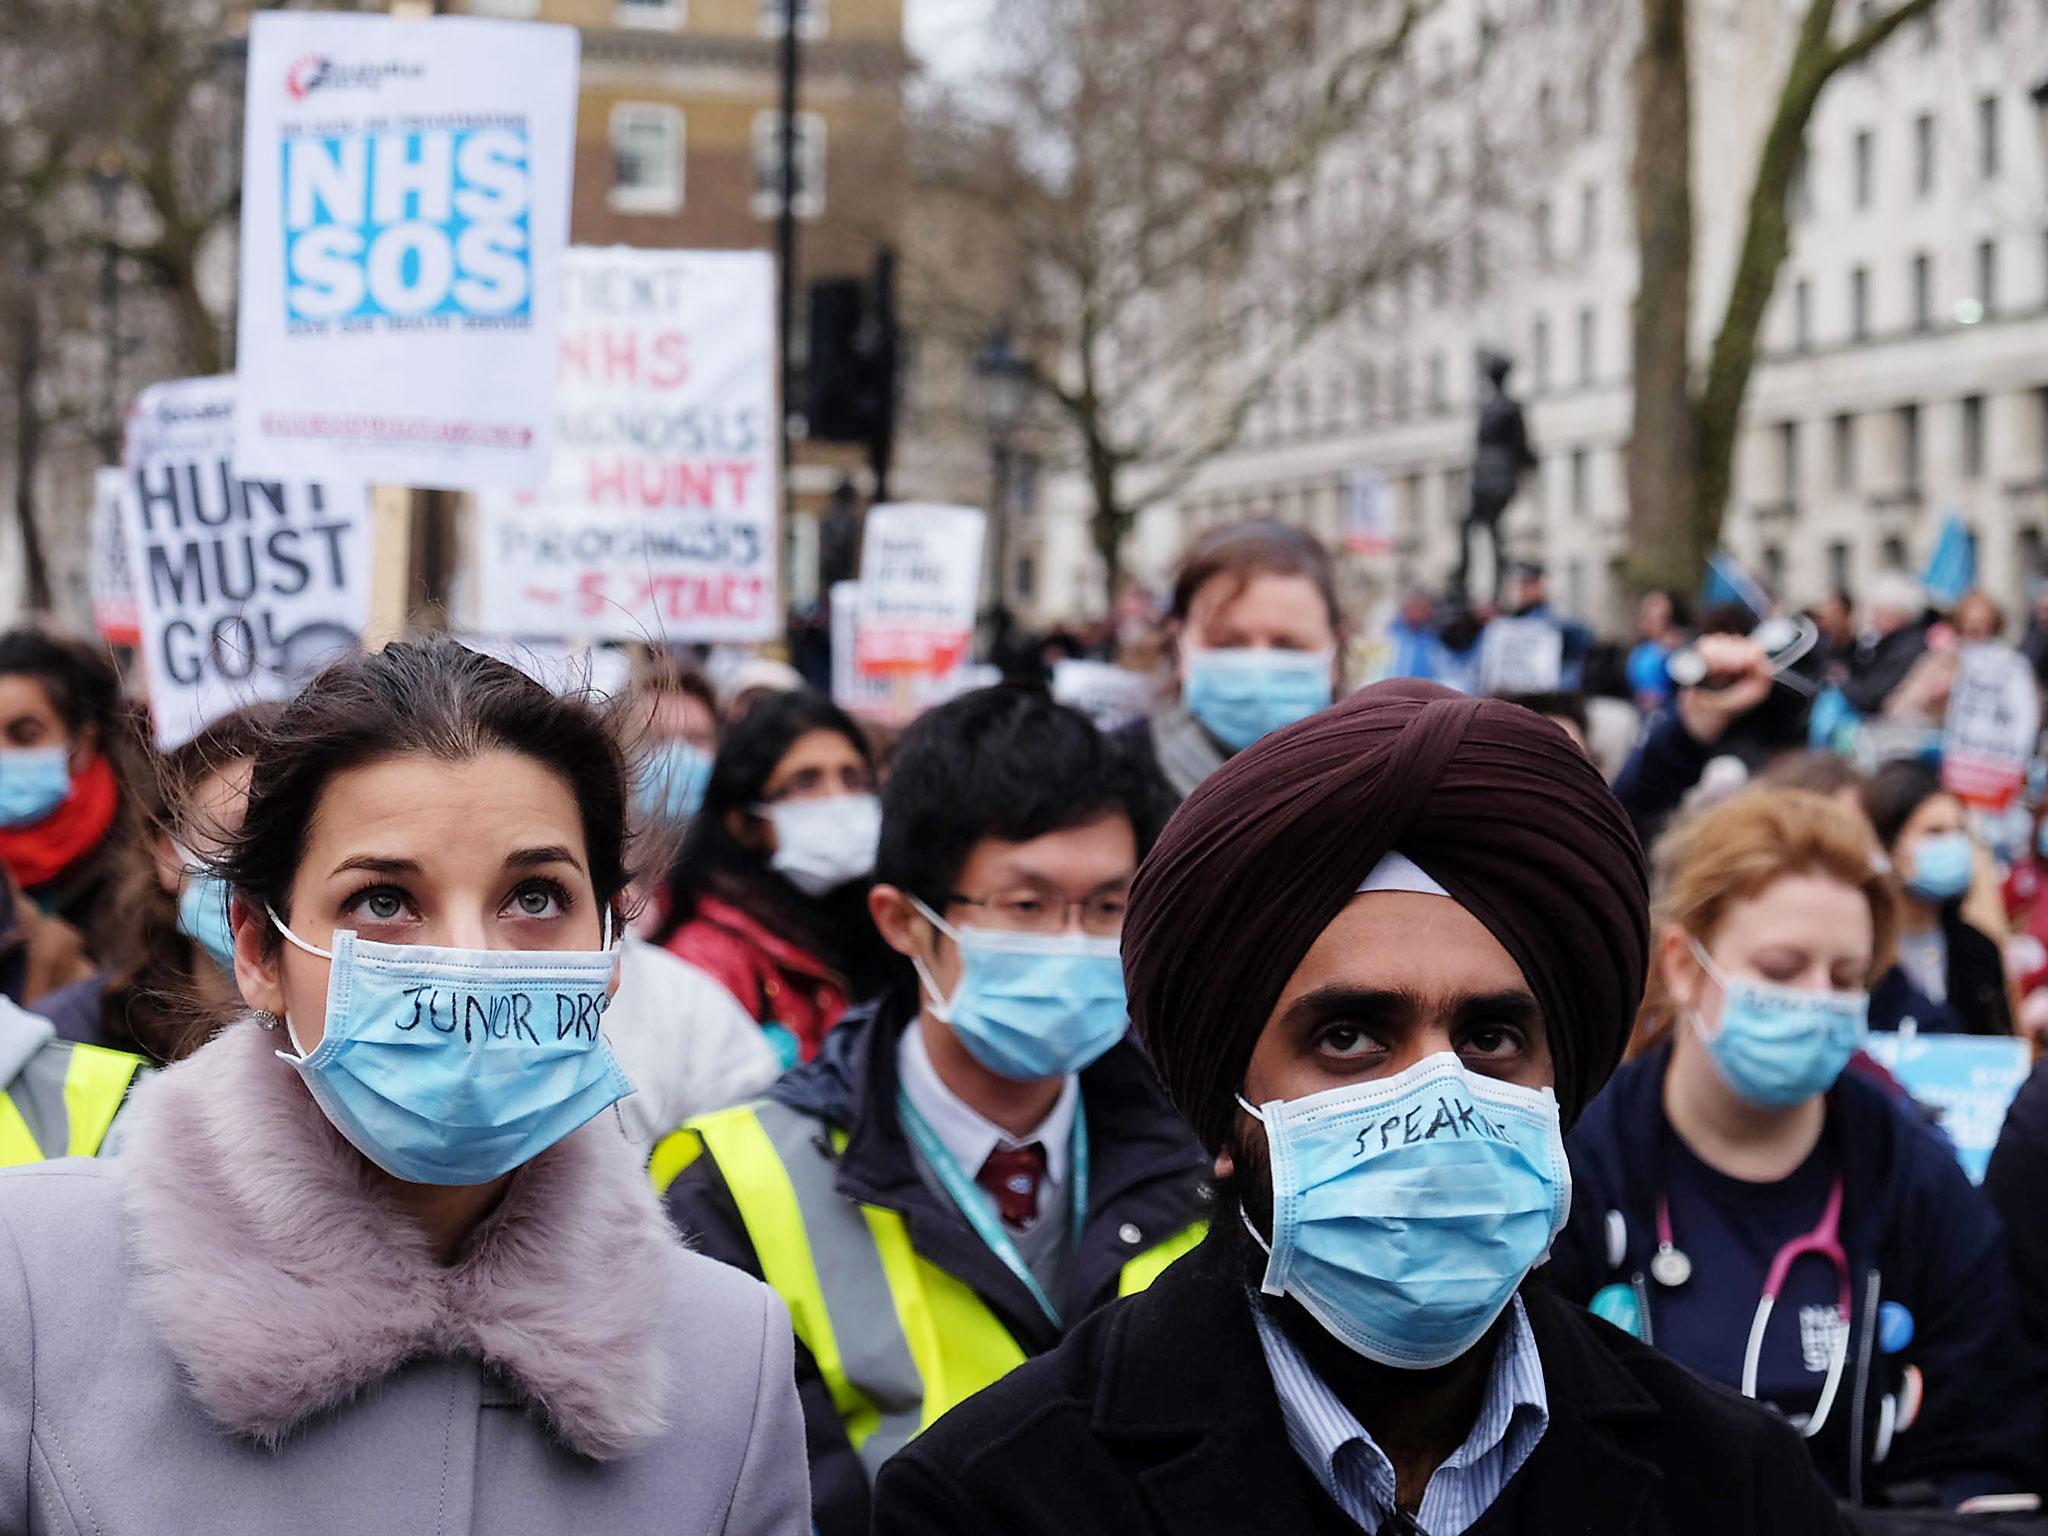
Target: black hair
(81, 683)
(1004, 763)
(435, 697)
(1893, 793)
(834, 927)
(1557, 704)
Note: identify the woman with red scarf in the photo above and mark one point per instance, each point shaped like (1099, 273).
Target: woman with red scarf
(63, 817)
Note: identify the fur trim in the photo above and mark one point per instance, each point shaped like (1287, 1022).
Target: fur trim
(284, 1279)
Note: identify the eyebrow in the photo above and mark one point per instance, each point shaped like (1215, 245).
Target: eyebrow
(553, 853)
(378, 864)
(1406, 1002)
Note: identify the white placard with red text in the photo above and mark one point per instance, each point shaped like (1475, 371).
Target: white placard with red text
(920, 578)
(1994, 719)
(659, 520)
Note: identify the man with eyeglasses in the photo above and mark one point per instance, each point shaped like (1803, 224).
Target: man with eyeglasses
(979, 1159)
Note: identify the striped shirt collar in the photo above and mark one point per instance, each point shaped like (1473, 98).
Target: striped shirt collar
(1356, 1473)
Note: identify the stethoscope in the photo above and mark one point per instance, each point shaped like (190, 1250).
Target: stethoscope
(1671, 1268)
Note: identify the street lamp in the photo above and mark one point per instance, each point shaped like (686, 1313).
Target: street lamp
(108, 177)
(1002, 380)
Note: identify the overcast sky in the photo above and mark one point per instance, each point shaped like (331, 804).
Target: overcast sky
(947, 34)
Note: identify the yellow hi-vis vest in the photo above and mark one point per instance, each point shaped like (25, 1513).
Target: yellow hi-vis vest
(847, 1270)
(63, 1102)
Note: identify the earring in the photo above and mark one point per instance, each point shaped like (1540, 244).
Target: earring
(266, 1018)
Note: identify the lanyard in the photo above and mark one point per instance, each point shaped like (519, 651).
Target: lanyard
(974, 1203)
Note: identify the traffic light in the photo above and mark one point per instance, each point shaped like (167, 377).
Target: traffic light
(851, 384)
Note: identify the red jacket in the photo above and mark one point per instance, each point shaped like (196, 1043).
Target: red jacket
(795, 995)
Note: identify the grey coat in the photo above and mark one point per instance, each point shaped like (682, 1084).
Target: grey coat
(228, 1329)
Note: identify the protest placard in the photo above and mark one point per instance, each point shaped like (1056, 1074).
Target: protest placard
(1994, 719)
(920, 576)
(1110, 696)
(243, 587)
(894, 700)
(405, 206)
(1368, 513)
(1520, 656)
(113, 581)
(659, 519)
(1968, 1080)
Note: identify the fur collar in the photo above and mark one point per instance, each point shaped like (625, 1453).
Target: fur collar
(284, 1280)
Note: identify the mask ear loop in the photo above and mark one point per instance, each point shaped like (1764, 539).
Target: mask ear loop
(941, 1006)
(1713, 974)
(312, 949)
(1266, 1284)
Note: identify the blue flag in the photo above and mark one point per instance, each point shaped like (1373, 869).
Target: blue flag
(1952, 568)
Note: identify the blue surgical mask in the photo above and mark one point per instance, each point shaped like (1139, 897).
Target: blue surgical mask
(1407, 1209)
(203, 914)
(1030, 1005)
(673, 780)
(456, 1066)
(1241, 695)
(1780, 1046)
(1943, 866)
(33, 782)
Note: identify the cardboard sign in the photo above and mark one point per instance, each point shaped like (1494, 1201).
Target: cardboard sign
(113, 581)
(1368, 513)
(1994, 720)
(1111, 696)
(244, 587)
(1970, 1080)
(920, 577)
(658, 522)
(1520, 656)
(405, 206)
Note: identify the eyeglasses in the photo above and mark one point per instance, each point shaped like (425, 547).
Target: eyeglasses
(1028, 911)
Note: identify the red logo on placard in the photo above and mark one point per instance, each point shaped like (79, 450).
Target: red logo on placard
(304, 75)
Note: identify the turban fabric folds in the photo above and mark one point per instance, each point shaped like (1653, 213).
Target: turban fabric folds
(1493, 802)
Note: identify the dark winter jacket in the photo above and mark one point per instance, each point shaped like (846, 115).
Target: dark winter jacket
(1915, 1232)
(1158, 1417)
(1977, 1002)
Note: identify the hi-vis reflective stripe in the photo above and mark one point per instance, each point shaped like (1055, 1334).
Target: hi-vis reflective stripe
(843, 1268)
(63, 1103)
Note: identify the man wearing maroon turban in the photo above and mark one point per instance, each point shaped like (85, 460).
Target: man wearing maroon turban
(1380, 960)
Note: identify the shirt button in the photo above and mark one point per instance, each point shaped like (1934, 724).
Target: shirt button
(1130, 1234)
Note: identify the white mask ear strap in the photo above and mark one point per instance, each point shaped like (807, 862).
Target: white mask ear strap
(1248, 1108)
(312, 949)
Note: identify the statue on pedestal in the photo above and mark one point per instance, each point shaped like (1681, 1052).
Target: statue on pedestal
(1502, 458)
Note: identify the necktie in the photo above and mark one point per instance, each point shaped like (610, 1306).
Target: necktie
(1012, 1175)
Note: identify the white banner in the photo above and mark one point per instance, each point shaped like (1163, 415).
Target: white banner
(405, 206)
(1110, 696)
(659, 520)
(244, 587)
(113, 580)
(920, 578)
(1994, 719)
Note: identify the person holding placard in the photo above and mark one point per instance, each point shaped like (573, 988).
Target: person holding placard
(1781, 1224)
(1257, 636)
(378, 1256)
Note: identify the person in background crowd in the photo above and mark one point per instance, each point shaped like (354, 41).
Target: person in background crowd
(1462, 632)
(1674, 752)
(170, 980)
(1941, 956)
(39, 954)
(678, 740)
(57, 1098)
(1531, 600)
(2013, 1184)
(1567, 711)
(1661, 622)
(1381, 962)
(1835, 617)
(1820, 773)
(1779, 1225)
(66, 824)
(1257, 642)
(1418, 652)
(758, 678)
(1894, 638)
(392, 1278)
(1977, 618)
(978, 1161)
(2034, 644)
(769, 893)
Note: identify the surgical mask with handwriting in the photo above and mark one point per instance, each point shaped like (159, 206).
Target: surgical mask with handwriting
(455, 1066)
(1407, 1209)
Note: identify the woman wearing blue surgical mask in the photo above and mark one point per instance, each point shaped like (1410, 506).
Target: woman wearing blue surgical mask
(677, 740)
(1776, 1219)
(169, 981)
(1257, 636)
(1950, 976)
(377, 1256)
(768, 895)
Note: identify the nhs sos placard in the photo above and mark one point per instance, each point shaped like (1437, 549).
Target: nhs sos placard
(405, 210)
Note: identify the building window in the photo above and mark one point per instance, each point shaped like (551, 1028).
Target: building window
(657, 15)
(1481, 262)
(1437, 401)
(812, 16)
(1799, 194)
(1909, 449)
(1773, 571)
(1369, 394)
(510, 10)
(1859, 304)
(1990, 17)
(810, 165)
(1539, 352)
(2027, 553)
(1401, 389)
(1923, 292)
(1589, 220)
(1987, 137)
(1838, 566)
(1844, 433)
(1788, 459)
(647, 158)
(1987, 275)
(1539, 221)
(1923, 154)
(1581, 489)
(1802, 315)
(1973, 436)
(1863, 159)
(1587, 341)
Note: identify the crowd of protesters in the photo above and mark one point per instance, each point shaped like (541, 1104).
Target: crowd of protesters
(1417, 1077)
